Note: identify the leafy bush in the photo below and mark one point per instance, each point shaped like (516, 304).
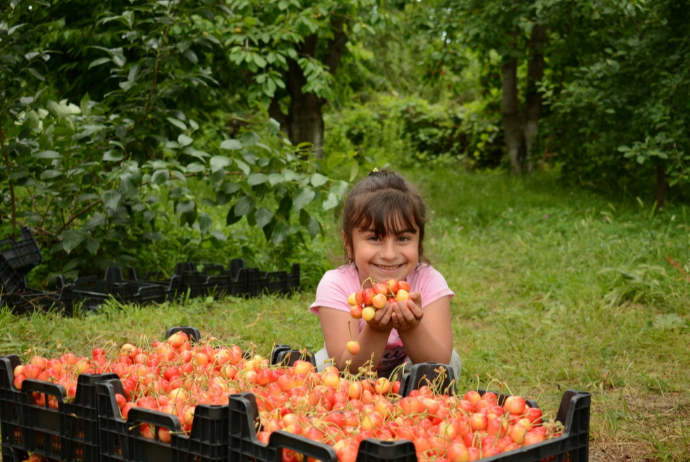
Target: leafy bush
(413, 131)
(147, 175)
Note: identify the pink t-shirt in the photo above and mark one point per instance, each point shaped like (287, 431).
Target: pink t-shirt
(336, 285)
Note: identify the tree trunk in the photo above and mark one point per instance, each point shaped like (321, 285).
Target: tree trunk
(660, 190)
(304, 121)
(512, 130)
(533, 98)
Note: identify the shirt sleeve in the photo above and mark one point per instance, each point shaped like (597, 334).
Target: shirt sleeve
(432, 286)
(332, 292)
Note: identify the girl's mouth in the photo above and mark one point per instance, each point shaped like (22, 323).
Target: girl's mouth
(387, 268)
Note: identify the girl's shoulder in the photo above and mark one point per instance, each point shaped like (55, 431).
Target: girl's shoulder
(345, 276)
(425, 271)
(342, 272)
(334, 288)
(430, 283)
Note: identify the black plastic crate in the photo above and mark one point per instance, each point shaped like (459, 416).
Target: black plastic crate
(27, 301)
(293, 278)
(10, 454)
(418, 375)
(571, 446)
(171, 286)
(192, 282)
(245, 446)
(11, 406)
(281, 282)
(121, 439)
(68, 433)
(11, 281)
(275, 282)
(192, 332)
(246, 282)
(95, 292)
(218, 285)
(253, 284)
(285, 355)
(24, 255)
(241, 281)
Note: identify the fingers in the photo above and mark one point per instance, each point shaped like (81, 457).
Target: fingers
(416, 297)
(386, 317)
(382, 316)
(409, 308)
(405, 313)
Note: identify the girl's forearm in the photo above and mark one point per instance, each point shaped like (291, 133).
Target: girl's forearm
(370, 341)
(422, 346)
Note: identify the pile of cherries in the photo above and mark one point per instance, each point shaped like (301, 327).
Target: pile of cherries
(332, 407)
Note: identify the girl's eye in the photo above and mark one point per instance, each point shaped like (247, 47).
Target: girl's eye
(372, 238)
(403, 238)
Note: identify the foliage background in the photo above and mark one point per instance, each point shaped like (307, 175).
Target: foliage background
(148, 126)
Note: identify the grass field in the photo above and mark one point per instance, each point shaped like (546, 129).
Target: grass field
(555, 289)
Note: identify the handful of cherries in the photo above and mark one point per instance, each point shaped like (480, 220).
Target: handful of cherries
(365, 302)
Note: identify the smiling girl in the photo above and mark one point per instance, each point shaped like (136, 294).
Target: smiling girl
(383, 233)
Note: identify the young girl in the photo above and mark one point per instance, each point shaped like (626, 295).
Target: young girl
(383, 233)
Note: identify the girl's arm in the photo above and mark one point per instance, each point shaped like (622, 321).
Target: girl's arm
(427, 335)
(372, 339)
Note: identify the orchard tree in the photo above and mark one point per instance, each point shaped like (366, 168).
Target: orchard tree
(517, 32)
(290, 50)
(619, 95)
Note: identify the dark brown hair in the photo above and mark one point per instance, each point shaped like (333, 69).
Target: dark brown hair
(387, 203)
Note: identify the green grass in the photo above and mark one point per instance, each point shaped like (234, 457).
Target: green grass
(555, 289)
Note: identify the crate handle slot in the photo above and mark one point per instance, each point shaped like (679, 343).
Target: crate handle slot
(53, 389)
(159, 419)
(284, 440)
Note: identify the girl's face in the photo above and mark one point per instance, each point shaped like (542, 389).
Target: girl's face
(391, 257)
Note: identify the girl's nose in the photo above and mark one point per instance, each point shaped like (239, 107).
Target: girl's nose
(388, 251)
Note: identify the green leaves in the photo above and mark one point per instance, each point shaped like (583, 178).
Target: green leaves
(178, 123)
(219, 162)
(232, 145)
(304, 197)
(47, 155)
(111, 199)
(244, 206)
(205, 222)
(318, 179)
(185, 207)
(159, 177)
(263, 217)
(257, 178)
(71, 239)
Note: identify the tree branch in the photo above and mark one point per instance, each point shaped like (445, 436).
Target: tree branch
(78, 214)
(147, 108)
(33, 200)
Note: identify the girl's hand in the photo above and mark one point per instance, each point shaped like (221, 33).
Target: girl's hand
(382, 319)
(407, 314)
